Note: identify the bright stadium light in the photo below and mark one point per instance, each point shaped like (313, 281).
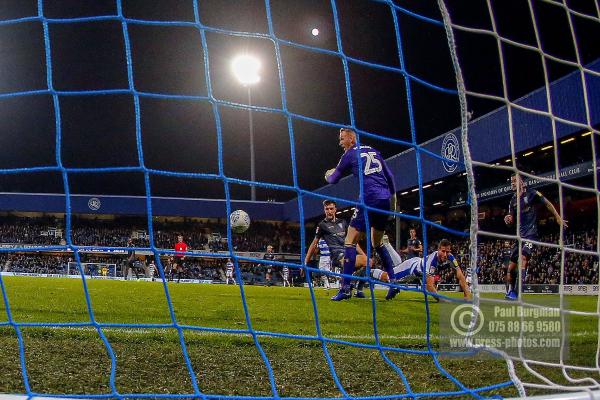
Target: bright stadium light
(245, 68)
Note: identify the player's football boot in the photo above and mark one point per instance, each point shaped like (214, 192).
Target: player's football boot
(360, 294)
(343, 294)
(512, 295)
(392, 292)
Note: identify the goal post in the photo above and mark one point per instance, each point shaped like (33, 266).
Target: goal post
(93, 269)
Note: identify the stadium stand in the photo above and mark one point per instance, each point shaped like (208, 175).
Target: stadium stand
(208, 236)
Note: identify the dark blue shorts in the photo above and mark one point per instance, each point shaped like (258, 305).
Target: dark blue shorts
(377, 220)
(337, 258)
(526, 250)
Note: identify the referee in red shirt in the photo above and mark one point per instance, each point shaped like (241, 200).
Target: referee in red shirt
(180, 249)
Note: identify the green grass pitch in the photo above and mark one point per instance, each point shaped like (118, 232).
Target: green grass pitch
(150, 360)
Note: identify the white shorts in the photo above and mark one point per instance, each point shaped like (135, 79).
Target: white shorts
(229, 274)
(325, 263)
(396, 259)
(408, 270)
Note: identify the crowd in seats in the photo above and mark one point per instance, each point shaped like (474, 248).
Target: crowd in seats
(284, 238)
(582, 270)
(494, 255)
(27, 231)
(207, 236)
(195, 268)
(35, 264)
(543, 267)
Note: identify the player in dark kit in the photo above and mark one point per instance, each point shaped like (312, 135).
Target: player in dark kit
(130, 262)
(528, 198)
(379, 191)
(413, 245)
(333, 231)
(269, 255)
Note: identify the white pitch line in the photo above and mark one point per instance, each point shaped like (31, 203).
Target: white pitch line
(144, 331)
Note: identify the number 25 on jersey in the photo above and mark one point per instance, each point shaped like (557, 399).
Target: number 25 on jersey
(372, 164)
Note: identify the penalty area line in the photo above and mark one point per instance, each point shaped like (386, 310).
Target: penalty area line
(148, 331)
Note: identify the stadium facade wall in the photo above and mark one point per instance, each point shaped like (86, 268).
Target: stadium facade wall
(136, 205)
(572, 172)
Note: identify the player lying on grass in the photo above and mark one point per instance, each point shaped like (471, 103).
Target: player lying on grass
(412, 269)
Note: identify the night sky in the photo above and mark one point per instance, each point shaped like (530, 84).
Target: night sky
(180, 134)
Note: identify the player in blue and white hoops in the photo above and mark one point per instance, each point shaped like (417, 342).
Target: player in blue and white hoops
(324, 262)
(413, 269)
(229, 272)
(379, 192)
(528, 198)
(285, 274)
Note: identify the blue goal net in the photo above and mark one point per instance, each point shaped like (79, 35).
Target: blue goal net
(122, 50)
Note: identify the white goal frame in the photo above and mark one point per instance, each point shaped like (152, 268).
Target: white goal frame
(72, 266)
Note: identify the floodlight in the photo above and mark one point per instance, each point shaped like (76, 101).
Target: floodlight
(245, 68)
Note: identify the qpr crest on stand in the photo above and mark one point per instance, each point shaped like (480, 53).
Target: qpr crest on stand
(450, 151)
(94, 204)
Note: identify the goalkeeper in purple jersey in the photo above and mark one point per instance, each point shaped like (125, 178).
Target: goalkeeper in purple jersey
(379, 191)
